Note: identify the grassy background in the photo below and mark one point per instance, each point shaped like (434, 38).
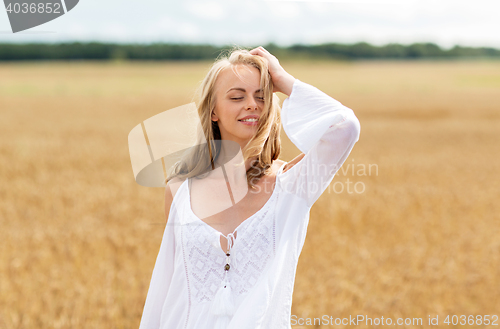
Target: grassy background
(79, 237)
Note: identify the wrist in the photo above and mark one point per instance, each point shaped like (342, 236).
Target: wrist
(284, 83)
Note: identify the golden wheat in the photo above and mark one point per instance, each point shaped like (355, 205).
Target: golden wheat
(417, 235)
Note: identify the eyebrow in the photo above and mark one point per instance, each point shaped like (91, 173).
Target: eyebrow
(242, 89)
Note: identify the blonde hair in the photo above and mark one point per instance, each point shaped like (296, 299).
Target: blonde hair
(265, 144)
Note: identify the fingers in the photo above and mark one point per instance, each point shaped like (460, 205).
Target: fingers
(261, 53)
(264, 50)
(258, 50)
(261, 49)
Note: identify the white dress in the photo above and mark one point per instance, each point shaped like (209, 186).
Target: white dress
(189, 268)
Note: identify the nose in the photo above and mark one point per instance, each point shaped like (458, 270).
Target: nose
(252, 104)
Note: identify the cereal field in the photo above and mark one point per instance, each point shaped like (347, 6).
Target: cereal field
(410, 225)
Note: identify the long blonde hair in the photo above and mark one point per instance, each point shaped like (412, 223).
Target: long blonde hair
(265, 144)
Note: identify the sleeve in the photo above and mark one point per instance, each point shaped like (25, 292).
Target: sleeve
(160, 279)
(325, 131)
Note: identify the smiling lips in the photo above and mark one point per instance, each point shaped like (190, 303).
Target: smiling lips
(253, 116)
(251, 120)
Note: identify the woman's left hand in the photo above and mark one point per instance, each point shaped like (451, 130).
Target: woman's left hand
(282, 80)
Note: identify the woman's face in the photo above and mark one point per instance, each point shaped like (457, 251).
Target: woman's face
(238, 98)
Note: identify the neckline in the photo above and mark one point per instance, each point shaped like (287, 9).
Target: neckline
(219, 233)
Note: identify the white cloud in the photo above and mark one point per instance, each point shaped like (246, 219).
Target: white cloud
(445, 22)
(375, 2)
(211, 10)
(188, 31)
(288, 11)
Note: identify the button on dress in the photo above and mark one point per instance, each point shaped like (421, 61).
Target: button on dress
(264, 249)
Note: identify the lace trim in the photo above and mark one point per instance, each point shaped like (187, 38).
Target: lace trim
(255, 249)
(187, 277)
(204, 259)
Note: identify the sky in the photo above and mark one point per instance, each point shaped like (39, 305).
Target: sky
(248, 22)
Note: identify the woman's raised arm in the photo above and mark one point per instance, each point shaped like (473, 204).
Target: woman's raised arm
(325, 131)
(320, 126)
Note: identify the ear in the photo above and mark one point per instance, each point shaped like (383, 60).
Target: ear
(214, 117)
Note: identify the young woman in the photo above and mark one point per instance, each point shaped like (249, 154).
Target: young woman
(234, 266)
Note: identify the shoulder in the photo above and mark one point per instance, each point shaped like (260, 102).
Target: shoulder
(291, 163)
(170, 191)
(278, 163)
(169, 197)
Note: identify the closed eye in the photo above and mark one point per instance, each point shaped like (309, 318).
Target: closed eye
(236, 98)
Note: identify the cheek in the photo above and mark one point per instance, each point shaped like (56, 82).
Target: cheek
(229, 112)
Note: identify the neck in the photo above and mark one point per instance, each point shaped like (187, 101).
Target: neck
(228, 153)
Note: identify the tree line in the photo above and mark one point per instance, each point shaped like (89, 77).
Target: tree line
(170, 51)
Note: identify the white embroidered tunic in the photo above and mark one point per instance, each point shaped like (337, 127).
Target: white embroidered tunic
(189, 268)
